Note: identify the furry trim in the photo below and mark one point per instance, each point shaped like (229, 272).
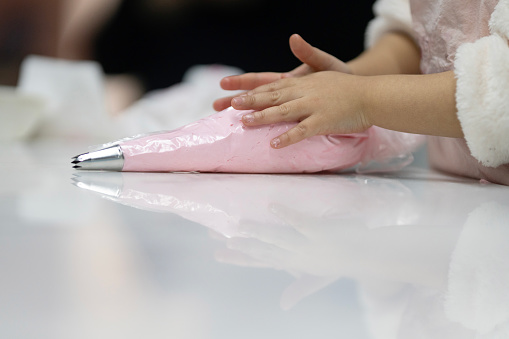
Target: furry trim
(482, 98)
(499, 22)
(391, 15)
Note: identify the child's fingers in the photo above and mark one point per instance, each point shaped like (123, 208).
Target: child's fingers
(287, 112)
(298, 71)
(222, 103)
(263, 100)
(285, 82)
(305, 52)
(249, 80)
(315, 58)
(300, 132)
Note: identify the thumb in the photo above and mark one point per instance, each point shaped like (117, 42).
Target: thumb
(315, 58)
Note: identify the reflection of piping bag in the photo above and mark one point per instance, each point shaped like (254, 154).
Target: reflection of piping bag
(220, 202)
(221, 143)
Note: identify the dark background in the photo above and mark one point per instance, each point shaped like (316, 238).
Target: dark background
(160, 46)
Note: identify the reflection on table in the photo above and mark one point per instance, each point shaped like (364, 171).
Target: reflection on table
(428, 253)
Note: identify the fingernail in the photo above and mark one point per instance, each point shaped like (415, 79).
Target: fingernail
(238, 101)
(275, 142)
(249, 118)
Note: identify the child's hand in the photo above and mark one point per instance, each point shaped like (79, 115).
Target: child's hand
(314, 60)
(322, 103)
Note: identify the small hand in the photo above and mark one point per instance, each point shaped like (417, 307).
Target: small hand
(322, 103)
(314, 60)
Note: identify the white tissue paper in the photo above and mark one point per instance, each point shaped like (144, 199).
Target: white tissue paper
(73, 93)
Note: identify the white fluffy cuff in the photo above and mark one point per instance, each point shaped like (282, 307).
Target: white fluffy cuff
(482, 97)
(391, 15)
(498, 22)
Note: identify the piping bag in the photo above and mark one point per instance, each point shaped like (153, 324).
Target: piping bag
(222, 143)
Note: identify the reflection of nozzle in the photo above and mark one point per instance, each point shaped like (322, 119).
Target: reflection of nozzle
(108, 184)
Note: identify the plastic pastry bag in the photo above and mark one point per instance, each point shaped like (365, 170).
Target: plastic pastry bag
(221, 143)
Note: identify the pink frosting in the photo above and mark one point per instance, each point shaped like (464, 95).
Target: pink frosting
(221, 143)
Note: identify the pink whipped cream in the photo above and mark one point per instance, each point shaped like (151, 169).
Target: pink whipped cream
(221, 143)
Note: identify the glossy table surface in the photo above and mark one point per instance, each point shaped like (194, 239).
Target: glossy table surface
(413, 254)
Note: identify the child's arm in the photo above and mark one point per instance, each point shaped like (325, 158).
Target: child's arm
(394, 53)
(338, 103)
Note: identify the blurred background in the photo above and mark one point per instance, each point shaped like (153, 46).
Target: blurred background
(156, 41)
(147, 45)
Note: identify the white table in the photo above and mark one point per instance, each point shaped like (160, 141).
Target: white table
(413, 254)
